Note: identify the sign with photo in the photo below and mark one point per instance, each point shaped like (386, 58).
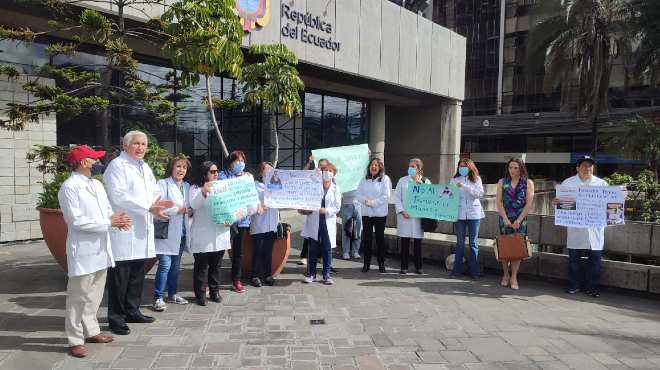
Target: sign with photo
(589, 206)
(295, 189)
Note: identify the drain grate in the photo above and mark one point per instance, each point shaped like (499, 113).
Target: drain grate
(317, 322)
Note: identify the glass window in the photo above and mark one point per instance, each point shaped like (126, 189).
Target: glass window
(335, 129)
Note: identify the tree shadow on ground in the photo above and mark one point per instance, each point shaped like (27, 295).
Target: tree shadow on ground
(42, 275)
(34, 344)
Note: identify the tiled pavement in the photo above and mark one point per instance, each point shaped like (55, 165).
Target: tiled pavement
(373, 321)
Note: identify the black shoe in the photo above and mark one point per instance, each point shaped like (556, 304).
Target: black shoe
(419, 271)
(594, 293)
(215, 297)
(453, 274)
(381, 267)
(269, 281)
(475, 277)
(201, 301)
(403, 272)
(573, 290)
(256, 282)
(365, 268)
(120, 330)
(141, 319)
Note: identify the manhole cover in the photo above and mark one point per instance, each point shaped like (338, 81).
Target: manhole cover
(317, 322)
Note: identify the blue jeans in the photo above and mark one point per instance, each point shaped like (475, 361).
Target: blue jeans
(167, 274)
(473, 232)
(319, 248)
(348, 247)
(589, 279)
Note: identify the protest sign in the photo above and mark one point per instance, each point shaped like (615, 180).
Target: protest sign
(233, 199)
(351, 162)
(589, 206)
(439, 202)
(293, 189)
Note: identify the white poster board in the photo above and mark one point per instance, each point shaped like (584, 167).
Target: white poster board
(295, 189)
(589, 206)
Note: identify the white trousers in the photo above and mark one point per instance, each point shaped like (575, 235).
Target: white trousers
(83, 298)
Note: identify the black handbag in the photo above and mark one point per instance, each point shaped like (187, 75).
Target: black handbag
(351, 229)
(162, 227)
(429, 225)
(282, 231)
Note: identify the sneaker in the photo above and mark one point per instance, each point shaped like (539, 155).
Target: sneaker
(158, 305)
(176, 299)
(303, 262)
(356, 256)
(594, 293)
(403, 272)
(309, 279)
(269, 281)
(256, 282)
(419, 272)
(573, 290)
(346, 257)
(327, 280)
(238, 287)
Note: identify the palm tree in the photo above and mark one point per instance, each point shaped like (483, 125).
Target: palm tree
(647, 54)
(579, 41)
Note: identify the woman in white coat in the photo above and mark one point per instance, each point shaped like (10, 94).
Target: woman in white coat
(321, 226)
(169, 250)
(263, 226)
(470, 214)
(373, 193)
(409, 227)
(208, 241)
(89, 217)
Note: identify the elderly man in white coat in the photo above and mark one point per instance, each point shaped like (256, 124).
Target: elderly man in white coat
(579, 240)
(132, 189)
(89, 217)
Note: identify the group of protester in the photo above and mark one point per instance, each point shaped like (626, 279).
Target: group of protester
(113, 229)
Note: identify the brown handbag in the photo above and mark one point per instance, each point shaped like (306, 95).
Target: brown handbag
(512, 247)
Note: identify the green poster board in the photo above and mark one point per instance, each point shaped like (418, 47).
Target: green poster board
(233, 199)
(351, 162)
(439, 202)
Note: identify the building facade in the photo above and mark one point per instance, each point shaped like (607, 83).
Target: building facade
(375, 72)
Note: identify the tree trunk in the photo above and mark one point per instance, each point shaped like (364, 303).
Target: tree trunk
(105, 116)
(209, 96)
(273, 122)
(593, 119)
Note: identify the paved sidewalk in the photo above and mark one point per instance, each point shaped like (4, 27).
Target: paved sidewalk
(373, 321)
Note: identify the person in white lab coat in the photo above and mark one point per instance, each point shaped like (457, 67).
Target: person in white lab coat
(170, 249)
(373, 194)
(263, 226)
(588, 241)
(132, 188)
(409, 227)
(207, 241)
(89, 217)
(321, 226)
(470, 214)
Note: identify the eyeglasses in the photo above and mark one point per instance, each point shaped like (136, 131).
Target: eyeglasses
(213, 171)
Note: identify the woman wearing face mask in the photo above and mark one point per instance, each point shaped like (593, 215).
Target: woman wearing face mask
(470, 214)
(208, 241)
(373, 193)
(321, 226)
(169, 250)
(263, 226)
(236, 164)
(305, 247)
(409, 227)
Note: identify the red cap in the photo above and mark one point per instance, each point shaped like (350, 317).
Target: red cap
(80, 152)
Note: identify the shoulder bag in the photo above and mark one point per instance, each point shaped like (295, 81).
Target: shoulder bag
(162, 227)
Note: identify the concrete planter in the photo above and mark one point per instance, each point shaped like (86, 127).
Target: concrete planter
(55, 231)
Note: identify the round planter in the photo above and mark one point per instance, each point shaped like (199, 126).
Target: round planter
(54, 230)
(281, 249)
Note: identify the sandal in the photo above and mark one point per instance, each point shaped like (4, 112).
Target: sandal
(505, 281)
(514, 286)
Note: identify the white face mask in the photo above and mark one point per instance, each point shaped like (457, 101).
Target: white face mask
(327, 175)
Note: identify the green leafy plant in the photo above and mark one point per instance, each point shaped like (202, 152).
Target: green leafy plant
(639, 140)
(643, 192)
(51, 161)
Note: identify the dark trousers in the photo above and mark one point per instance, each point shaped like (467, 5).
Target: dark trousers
(237, 252)
(125, 282)
(305, 248)
(580, 277)
(206, 266)
(262, 256)
(320, 248)
(368, 226)
(405, 247)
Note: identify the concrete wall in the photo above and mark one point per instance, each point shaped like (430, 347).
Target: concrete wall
(19, 180)
(378, 40)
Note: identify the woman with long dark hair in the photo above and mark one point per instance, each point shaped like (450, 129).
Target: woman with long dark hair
(208, 241)
(514, 198)
(470, 214)
(373, 193)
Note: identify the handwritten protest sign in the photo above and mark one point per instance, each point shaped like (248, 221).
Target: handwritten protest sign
(589, 206)
(233, 199)
(439, 202)
(293, 189)
(351, 162)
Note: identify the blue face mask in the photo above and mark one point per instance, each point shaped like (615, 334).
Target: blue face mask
(463, 171)
(238, 167)
(412, 171)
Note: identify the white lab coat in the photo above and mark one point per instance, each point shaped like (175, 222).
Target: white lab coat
(406, 228)
(332, 205)
(204, 235)
(267, 221)
(87, 212)
(469, 206)
(379, 193)
(132, 189)
(589, 238)
(170, 190)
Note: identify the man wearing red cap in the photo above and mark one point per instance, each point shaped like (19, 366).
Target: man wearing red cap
(89, 218)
